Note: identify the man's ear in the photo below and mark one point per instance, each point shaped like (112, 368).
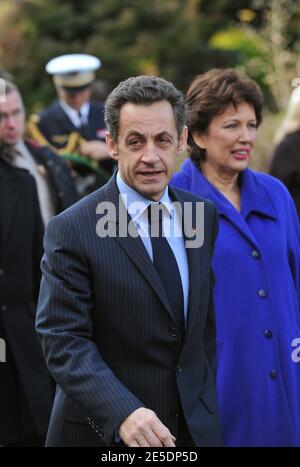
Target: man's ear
(200, 139)
(112, 146)
(182, 140)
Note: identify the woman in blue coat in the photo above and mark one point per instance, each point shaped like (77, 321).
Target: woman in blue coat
(256, 264)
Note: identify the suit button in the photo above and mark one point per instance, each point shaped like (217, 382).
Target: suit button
(178, 369)
(273, 374)
(3, 307)
(173, 332)
(268, 333)
(262, 293)
(255, 254)
(1, 272)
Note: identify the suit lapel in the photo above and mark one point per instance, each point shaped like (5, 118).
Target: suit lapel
(134, 247)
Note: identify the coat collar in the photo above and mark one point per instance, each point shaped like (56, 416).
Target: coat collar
(254, 198)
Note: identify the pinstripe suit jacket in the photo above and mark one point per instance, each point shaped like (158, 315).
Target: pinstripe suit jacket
(108, 334)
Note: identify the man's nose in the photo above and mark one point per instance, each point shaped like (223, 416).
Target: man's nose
(11, 121)
(150, 154)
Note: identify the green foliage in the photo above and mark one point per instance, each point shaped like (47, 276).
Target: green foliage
(173, 38)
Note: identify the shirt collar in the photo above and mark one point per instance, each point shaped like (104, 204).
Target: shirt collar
(84, 109)
(131, 197)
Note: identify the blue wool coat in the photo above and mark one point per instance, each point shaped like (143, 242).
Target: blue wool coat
(257, 269)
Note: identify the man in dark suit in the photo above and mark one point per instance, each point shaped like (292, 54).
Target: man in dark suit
(73, 125)
(26, 392)
(126, 320)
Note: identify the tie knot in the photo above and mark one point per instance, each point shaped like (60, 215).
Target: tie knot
(156, 214)
(82, 118)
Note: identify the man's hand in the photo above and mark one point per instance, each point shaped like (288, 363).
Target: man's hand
(144, 429)
(96, 150)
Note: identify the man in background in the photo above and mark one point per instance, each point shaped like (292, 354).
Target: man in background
(55, 188)
(73, 125)
(26, 390)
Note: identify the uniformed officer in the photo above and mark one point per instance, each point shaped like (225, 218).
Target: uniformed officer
(74, 125)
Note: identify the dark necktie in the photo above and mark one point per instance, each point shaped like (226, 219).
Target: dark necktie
(166, 264)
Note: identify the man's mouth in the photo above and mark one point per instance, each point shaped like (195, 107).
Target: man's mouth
(150, 173)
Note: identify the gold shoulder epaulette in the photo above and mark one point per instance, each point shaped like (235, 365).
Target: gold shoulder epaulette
(34, 132)
(34, 118)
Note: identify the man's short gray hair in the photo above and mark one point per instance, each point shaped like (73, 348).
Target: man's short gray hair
(142, 90)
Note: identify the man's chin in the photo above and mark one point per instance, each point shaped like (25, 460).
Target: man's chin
(11, 142)
(152, 192)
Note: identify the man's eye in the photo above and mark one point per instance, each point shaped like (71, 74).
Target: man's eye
(134, 142)
(164, 140)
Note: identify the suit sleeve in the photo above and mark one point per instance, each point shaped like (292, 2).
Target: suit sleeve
(210, 328)
(64, 325)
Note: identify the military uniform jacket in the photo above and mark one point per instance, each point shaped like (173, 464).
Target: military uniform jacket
(55, 128)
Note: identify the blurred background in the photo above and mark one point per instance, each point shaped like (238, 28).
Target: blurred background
(176, 39)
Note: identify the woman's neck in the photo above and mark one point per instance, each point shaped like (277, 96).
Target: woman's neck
(225, 182)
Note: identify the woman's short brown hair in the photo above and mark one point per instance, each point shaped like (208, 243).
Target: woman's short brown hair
(210, 94)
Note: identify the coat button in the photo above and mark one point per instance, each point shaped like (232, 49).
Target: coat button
(255, 254)
(268, 333)
(173, 332)
(262, 293)
(1, 272)
(3, 307)
(273, 374)
(178, 369)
